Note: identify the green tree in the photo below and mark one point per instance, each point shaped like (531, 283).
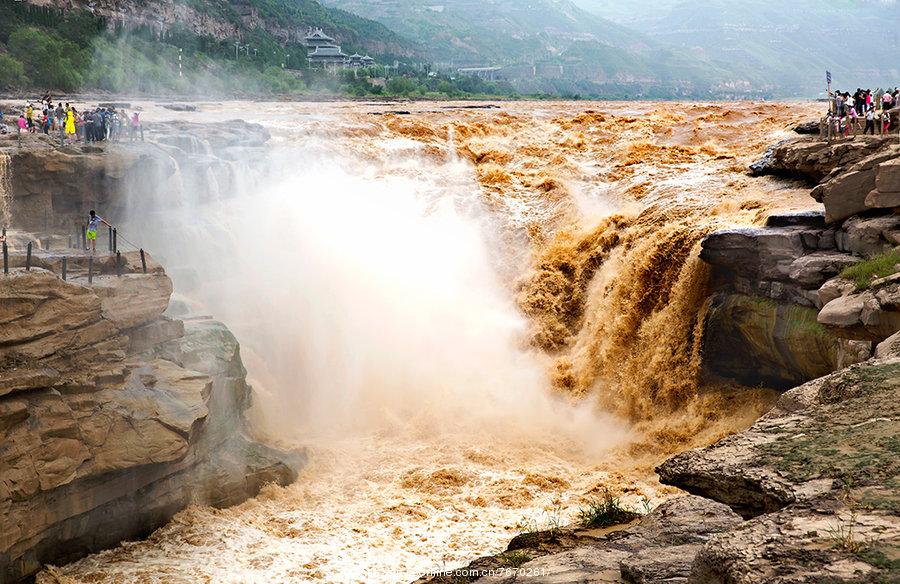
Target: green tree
(49, 61)
(402, 86)
(12, 73)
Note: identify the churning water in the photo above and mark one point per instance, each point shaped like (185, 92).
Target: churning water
(476, 321)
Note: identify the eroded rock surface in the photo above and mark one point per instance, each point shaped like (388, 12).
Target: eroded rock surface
(814, 159)
(113, 417)
(823, 540)
(837, 429)
(787, 345)
(872, 314)
(53, 188)
(660, 547)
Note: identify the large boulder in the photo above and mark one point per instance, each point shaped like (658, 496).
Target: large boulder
(870, 236)
(869, 315)
(845, 195)
(828, 436)
(133, 299)
(886, 193)
(762, 253)
(855, 189)
(890, 347)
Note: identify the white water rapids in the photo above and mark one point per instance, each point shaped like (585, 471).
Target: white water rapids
(370, 275)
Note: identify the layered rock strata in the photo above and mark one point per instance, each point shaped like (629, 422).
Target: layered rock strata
(820, 473)
(780, 313)
(112, 416)
(762, 325)
(52, 188)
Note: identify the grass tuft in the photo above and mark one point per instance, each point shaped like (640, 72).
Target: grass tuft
(516, 558)
(606, 512)
(879, 266)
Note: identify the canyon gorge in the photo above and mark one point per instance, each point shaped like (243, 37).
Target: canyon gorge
(376, 341)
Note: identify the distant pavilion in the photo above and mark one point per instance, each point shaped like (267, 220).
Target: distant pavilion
(322, 51)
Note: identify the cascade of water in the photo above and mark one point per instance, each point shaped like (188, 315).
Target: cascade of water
(359, 269)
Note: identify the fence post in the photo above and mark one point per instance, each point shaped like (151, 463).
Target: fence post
(143, 261)
(70, 242)
(119, 264)
(115, 240)
(83, 237)
(65, 268)
(90, 269)
(28, 257)
(110, 240)
(5, 259)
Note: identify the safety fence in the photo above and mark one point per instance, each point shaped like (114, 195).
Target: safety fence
(112, 248)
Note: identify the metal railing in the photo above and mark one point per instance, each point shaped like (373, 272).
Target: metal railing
(112, 248)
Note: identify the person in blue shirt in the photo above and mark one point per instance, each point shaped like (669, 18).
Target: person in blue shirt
(94, 222)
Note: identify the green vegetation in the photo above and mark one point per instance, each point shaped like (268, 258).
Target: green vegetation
(863, 450)
(42, 49)
(515, 558)
(878, 558)
(606, 512)
(879, 266)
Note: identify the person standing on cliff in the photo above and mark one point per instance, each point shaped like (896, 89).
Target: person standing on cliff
(94, 222)
(70, 122)
(136, 127)
(870, 121)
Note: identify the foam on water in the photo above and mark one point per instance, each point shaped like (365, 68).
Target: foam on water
(475, 320)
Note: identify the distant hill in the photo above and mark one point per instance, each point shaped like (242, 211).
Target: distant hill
(547, 45)
(486, 32)
(186, 47)
(787, 44)
(286, 21)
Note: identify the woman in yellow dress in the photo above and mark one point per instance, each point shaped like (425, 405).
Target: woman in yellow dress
(70, 122)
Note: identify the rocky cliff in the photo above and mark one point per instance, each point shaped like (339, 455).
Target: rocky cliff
(51, 188)
(781, 313)
(113, 416)
(286, 21)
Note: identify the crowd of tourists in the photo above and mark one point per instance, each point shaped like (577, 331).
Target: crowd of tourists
(847, 112)
(97, 125)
